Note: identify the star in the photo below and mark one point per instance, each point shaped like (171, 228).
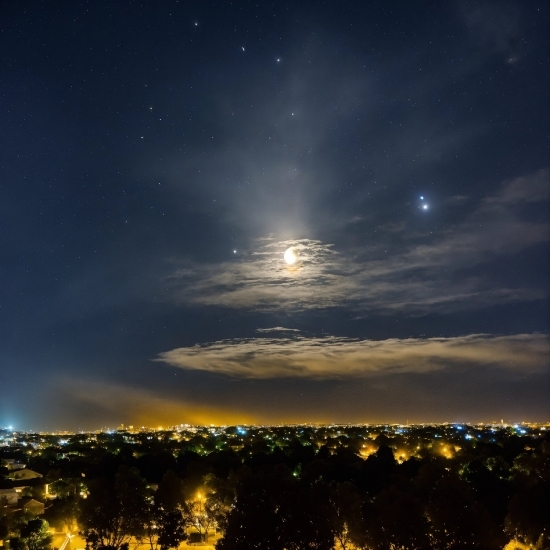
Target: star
(234, 252)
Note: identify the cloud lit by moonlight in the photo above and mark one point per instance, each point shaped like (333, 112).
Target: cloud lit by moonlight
(413, 274)
(332, 357)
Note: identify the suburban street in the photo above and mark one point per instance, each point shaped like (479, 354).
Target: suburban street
(78, 543)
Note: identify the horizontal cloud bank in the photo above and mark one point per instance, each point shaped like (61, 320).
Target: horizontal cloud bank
(335, 357)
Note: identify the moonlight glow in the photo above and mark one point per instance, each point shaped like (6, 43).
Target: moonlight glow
(290, 256)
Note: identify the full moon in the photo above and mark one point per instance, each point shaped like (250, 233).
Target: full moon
(290, 256)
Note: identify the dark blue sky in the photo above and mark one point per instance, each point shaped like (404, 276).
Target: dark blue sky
(158, 158)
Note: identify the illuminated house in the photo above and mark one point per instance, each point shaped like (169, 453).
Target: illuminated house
(34, 507)
(24, 474)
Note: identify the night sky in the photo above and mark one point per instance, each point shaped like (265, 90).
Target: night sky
(157, 159)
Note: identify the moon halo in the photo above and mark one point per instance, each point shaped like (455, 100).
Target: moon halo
(290, 256)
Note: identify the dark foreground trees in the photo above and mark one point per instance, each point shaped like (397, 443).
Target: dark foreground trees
(121, 509)
(529, 515)
(433, 510)
(276, 512)
(302, 496)
(115, 510)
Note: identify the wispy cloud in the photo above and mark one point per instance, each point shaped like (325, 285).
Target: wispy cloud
(276, 329)
(533, 188)
(418, 274)
(263, 280)
(336, 357)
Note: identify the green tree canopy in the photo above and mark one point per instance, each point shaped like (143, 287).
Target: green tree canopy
(35, 535)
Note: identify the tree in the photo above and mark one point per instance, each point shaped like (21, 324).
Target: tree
(115, 510)
(165, 523)
(170, 492)
(378, 469)
(531, 468)
(200, 515)
(171, 529)
(488, 487)
(35, 535)
(201, 508)
(65, 487)
(528, 516)
(456, 519)
(164, 529)
(220, 495)
(63, 514)
(345, 505)
(277, 512)
(396, 519)
(207, 502)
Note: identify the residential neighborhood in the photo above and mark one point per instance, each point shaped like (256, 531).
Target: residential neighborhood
(187, 485)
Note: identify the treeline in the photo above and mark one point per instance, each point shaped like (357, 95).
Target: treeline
(306, 497)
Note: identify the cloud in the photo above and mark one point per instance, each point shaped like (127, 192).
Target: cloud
(277, 329)
(337, 357)
(415, 272)
(264, 281)
(534, 188)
